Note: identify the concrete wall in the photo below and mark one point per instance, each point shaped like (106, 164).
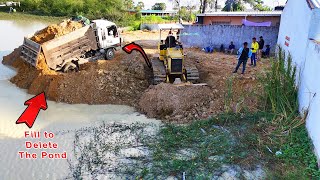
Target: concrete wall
(294, 33)
(237, 20)
(215, 35)
(309, 95)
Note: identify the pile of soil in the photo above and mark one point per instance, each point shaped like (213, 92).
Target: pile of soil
(120, 81)
(176, 103)
(55, 30)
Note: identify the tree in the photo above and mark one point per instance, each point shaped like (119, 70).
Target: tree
(186, 13)
(259, 6)
(234, 5)
(204, 4)
(139, 6)
(159, 6)
(128, 4)
(237, 5)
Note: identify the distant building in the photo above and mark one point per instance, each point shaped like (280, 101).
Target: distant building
(158, 13)
(236, 18)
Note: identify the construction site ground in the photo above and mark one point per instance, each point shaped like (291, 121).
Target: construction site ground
(125, 80)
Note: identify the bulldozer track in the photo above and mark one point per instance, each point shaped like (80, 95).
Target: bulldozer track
(159, 72)
(192, 74)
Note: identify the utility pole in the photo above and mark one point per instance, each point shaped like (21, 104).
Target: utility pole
(179, 10)
(216, 6)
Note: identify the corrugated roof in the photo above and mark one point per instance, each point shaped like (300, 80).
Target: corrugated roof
(170, 26)
(244, 13)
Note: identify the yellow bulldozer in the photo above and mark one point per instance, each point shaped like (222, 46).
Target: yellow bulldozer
(170, 63)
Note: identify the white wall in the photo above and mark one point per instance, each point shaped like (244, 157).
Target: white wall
(296, 22)
(310, 92)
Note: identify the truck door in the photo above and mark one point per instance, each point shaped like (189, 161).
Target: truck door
(113, 38)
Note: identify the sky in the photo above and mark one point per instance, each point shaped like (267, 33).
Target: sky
(149, 3)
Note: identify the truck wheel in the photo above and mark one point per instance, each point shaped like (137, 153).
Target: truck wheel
(69, 67)
(110, 54)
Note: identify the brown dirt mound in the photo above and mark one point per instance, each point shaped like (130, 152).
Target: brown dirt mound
(55, 30)
(119, 81)
(176, 103)
(10, 58)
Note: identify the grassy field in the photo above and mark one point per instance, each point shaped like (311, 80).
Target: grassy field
(29, 17)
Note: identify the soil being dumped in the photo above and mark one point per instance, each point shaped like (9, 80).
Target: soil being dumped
(55, 30)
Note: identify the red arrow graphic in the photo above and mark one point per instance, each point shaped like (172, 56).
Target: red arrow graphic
(31, 113)
(133, 46)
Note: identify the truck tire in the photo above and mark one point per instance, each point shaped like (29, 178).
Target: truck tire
(110, 54)
(70, 67)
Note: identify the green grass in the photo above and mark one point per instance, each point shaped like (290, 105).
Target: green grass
(281, 93)
(244, 139)
(29, 17)
(231, 139)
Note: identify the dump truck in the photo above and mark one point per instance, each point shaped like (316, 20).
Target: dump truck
(99, 40)
(170, 63)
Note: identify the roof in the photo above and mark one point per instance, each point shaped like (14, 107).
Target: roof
(314, 4)
(244, 13)
(170, 26)
(157, 11)
(103, 23)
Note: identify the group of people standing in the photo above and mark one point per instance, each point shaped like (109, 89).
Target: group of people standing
(254, 53)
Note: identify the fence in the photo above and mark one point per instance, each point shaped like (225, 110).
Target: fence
(215, 35)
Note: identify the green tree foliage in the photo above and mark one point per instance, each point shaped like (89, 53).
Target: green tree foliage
(237, 5)
(110, 9)
(261, 7)
(159, 6)
(234, 5)
(129, 4)
(187, 14)
(258, 5)
(139, 6)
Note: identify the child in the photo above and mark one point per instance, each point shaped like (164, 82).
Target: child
(243, 54)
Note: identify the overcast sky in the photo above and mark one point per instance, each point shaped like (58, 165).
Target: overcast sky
(149, 3)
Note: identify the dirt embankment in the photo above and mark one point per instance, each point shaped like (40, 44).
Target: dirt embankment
(120, 81)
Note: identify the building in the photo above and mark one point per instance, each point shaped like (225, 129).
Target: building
(158, 13)
(236, 18)
(299, 35)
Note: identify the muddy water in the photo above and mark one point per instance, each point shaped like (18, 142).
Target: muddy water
(58, 117)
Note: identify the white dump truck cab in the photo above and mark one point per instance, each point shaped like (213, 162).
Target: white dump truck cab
(107, 36)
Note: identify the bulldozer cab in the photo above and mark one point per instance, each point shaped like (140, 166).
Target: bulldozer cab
(170, 40)
(170, 65)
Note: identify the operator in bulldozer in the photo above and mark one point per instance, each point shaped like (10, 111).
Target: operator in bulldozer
(170, 65)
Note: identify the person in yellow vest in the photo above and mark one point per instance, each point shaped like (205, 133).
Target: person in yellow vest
(254, 49)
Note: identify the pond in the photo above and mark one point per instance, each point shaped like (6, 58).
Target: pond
(57, 118)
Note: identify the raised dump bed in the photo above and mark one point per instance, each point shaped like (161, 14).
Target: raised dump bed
(60, 50)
